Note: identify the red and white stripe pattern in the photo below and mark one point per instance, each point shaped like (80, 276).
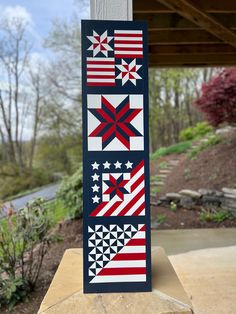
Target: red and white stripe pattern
(100, 72)
(129, 264)
(133, 203)
(128, 43)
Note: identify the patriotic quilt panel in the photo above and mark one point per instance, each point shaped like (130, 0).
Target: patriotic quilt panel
(116, 200)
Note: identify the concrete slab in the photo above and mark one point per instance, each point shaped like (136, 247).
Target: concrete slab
(209, 278)
(180, 241)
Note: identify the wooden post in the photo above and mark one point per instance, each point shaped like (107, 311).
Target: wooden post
(111, 10)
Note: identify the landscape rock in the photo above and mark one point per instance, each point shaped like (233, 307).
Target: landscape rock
(190, 193)
(229, 191)
(206, 192)
(173, 196)
(211, 199)
(230, 196)
(187, 202)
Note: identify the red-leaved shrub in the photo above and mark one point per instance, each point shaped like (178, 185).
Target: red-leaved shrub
(218, 98)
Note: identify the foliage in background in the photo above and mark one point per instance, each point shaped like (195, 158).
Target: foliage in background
(71, 194)
(218, 98)
(191, 133)
(23, 245)
(211, 141)
(15, 182)
(174, 149)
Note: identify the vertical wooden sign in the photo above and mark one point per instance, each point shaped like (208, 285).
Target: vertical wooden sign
(117, 248)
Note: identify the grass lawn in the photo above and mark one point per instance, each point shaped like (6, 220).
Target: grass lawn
(179, 148)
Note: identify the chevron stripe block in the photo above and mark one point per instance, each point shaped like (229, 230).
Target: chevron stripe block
(117, 253)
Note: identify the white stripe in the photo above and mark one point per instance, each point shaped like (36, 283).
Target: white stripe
(101, 59)
(142, 213)
(128, 32)
(119, 278)
(90, 80)
(123, 204)
(107, 207)
(125, 264)
(133, 249)
(105, 66)
(128, 39)
(135, 178)
(139, 235)
(128, 46)
(128, 52)
(90, 72)
(135, 206)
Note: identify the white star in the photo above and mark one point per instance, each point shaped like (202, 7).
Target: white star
(128, 72)
(95, 188)
(95, 165)
(100, 43)
(118, 164)
(95, 177)
(129, 165)
(106, 165)
(95, 199)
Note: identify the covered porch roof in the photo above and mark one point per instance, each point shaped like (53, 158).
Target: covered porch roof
(189, 32)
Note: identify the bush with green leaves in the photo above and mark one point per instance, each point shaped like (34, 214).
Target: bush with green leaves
(191, 133)
(212, 141)
(71, 194)
(23, 245)
(178, 148)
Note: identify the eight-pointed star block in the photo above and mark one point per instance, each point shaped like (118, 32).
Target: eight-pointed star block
(115, 123)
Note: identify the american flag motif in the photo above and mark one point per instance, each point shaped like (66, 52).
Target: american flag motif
(128, 43)
(117, 188)
(100, 71)
(117, 253)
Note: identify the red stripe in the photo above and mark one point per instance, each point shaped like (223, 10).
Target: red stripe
(137, 183)
(98, 209)
(128, 35)
(122, 271)
(122, 111)
(101, 84)
(136, 169)
(143, 228)
(101, 62)
(117, 41)
(128, 49)
(101, 76)
(112, 209)
(139, 210)
(101, 70)
(136, 242)
(129, 257)
(97, 130)
(120, 55)
(133, 114)
(131, 203)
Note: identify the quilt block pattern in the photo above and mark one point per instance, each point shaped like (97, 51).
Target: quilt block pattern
(116, 201)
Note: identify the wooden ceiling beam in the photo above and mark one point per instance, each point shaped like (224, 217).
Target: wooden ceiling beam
(175, 21)
(181, 37)
(194, 59)
(194, 14)
(191, 49)
(209, 6)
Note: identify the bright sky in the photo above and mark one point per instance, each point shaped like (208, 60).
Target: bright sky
(41, 13)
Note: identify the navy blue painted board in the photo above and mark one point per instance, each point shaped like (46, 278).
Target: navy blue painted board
(116, 199)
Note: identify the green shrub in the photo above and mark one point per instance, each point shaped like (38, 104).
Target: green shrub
(71, 194)
(214, 216)
(212, 141)
(174, 149)
(19, 182)
(191, 133)
(23, 245)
